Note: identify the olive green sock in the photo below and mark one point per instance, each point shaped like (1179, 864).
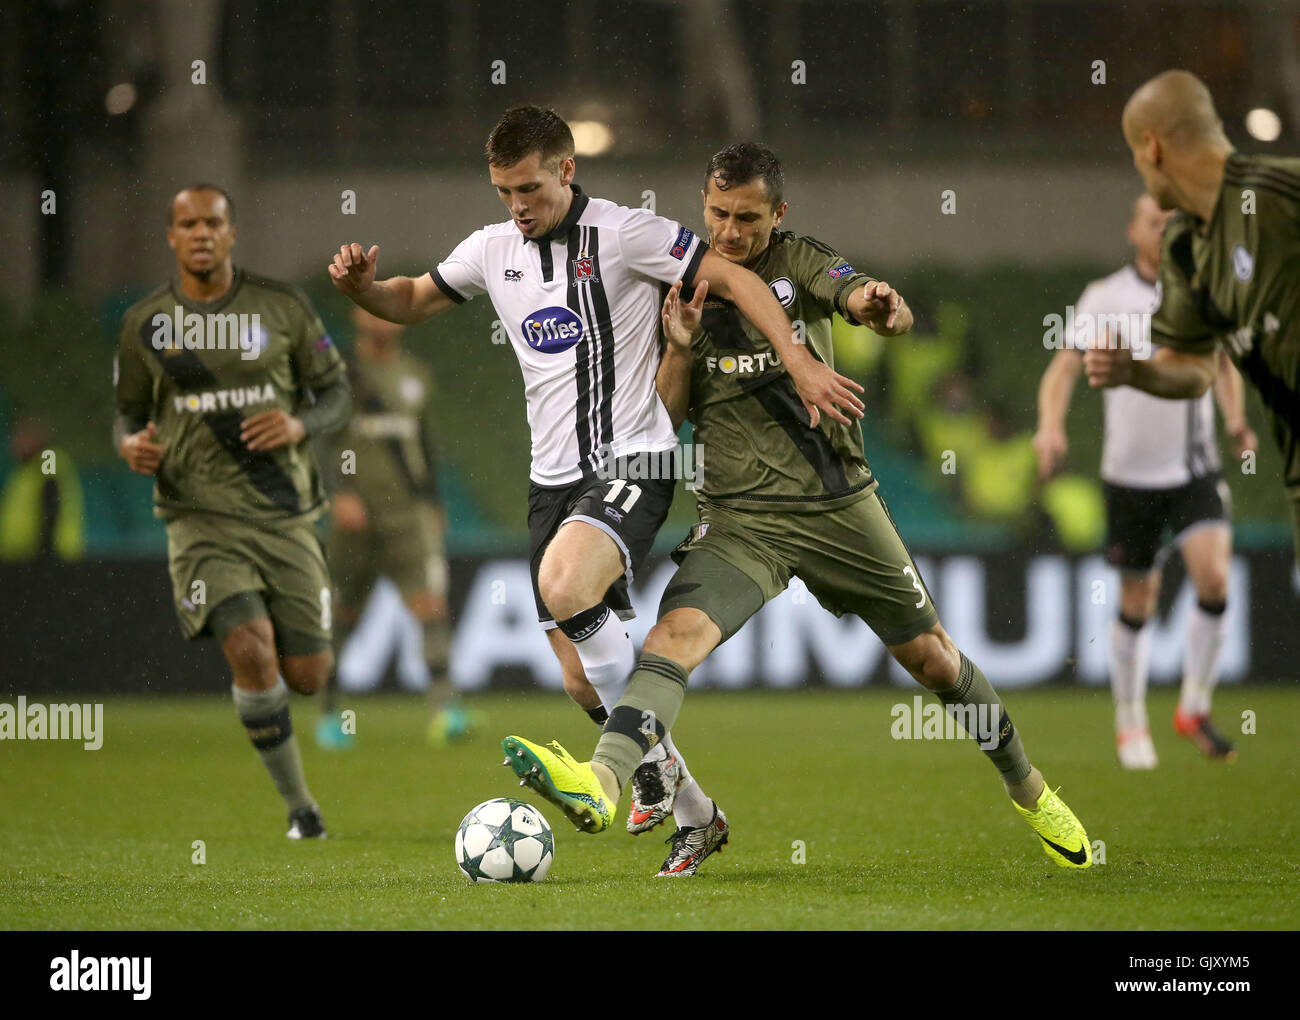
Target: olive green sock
(978, 708)
(265, 715)
(437, 652)
(643, 715)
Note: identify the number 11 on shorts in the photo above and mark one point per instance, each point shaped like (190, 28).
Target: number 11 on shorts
(616, 489)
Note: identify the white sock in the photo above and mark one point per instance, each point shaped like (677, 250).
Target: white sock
(606, 653)
(692, 808)
(671, 748)
(1130, 653)
(1201, 661)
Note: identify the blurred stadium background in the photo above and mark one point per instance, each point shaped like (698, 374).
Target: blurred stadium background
(878, 107)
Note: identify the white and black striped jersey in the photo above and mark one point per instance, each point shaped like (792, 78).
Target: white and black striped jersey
(1150, 443)
(581, 308)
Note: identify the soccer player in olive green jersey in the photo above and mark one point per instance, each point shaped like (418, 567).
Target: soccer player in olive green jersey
(1229, 266)
(221, 377)
(780, 498)
(387, 515)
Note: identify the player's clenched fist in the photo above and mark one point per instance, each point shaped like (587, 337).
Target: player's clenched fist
(141, 450)
(1108, 366)
(271, 429)
(353, 270)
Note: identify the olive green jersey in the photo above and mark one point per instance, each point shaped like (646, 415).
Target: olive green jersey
(198, 369)
(755, 447)
(391, 466)
(1235, 281)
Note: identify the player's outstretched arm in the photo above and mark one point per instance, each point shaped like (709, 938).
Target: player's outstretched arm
(1230, 394)
(404, 299)
(822, 389)
(1054, 392)
(881, 307)
(1174, 375)
(680, 321)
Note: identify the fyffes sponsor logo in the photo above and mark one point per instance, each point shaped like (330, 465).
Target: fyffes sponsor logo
(552, 330)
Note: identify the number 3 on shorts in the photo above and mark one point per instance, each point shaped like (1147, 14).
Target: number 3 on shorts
(916, 583)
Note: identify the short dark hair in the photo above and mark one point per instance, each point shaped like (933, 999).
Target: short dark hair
(201, 186)
(523, 130)
(744, 162)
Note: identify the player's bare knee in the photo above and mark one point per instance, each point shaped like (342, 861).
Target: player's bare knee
(250, 649)
(1138, 596)
(307, 674)
(557, 582)
(1211, 586)
(931, 658)
(1138, 609)
(684, 635)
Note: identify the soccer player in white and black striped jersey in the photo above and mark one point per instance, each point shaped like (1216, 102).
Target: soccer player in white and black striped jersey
(576, 282)
(1160, 472)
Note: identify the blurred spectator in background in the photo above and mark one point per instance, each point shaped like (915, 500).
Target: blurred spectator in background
(41, 508)
(999, 479)
(976, 447)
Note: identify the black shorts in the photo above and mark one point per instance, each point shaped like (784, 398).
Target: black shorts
(1140, 522)
(629, 512)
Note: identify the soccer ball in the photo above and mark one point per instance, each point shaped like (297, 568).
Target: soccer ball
(504, 841)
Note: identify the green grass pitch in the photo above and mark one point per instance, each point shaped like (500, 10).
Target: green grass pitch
(897, 834)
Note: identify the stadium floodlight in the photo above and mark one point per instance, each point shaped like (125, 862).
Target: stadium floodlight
(1263, 124)
(120, 98)
(591, 137)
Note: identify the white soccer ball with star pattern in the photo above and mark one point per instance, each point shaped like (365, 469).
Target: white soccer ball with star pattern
(504, 841)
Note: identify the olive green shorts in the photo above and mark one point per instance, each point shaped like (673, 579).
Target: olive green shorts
(851, 558)
(279, 568)
(406, 548)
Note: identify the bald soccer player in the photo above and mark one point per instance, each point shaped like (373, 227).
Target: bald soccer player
(1229, 266)
(1161, 476)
